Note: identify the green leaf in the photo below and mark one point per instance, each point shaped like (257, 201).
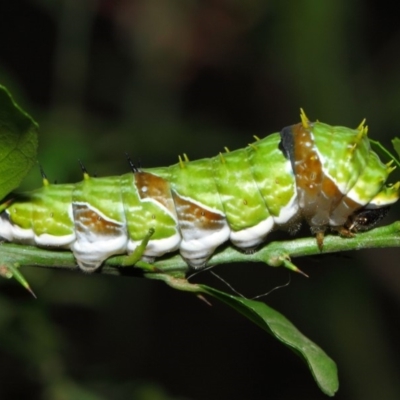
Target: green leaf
(385, 151)
(18, 143)
(322, 367)
(396, 145)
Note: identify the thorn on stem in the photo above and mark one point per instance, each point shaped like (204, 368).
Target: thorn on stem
(202, 298)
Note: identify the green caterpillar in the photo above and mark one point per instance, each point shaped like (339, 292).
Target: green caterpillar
(326, 175)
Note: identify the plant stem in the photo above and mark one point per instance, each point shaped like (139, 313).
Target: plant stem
(274, 254)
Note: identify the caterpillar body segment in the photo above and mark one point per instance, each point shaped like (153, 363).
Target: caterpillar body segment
(327, 175)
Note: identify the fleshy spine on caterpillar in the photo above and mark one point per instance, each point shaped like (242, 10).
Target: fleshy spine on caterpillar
(326, 175)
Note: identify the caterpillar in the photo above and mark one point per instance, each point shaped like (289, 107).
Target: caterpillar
(325, 175)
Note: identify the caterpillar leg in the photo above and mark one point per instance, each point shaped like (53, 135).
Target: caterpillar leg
(345, 232)
(137, 254)
(320, 239)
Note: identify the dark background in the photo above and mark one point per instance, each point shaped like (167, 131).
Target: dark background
(158, 78)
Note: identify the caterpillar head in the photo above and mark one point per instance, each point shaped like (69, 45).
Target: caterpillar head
(365, 218)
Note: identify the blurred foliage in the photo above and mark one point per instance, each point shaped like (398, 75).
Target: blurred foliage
(19, 141)
(157, 79)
